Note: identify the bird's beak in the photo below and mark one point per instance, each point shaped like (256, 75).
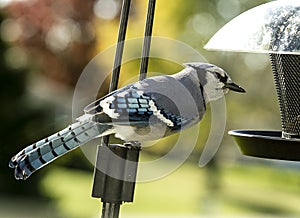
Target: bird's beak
(234, 87)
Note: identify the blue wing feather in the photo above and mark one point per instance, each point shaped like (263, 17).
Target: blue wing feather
(133, 108)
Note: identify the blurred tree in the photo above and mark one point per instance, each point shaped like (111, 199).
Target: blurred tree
(57, 38)
(59, 35)
(19, 118)
(54, 39)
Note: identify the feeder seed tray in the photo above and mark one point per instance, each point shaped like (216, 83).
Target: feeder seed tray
(267, 144)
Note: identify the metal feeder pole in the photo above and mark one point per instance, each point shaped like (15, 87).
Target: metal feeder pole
(119, 188)
(147, 39)
(111, 209)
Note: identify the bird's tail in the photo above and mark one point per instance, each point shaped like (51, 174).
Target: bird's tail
(41, 153)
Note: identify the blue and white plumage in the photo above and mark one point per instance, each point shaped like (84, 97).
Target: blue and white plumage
(146, 110)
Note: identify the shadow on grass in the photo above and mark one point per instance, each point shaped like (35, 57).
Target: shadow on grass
(258, 207)
(16, 207)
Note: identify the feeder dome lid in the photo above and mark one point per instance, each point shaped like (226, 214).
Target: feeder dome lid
(273, 27)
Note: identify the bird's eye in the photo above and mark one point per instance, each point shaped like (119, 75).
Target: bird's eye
(222, 79)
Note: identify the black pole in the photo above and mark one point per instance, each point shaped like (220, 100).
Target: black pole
(120, 45)
(111, 209)
(115, 176)
(119, 187)
(147, 39)
(119, 51)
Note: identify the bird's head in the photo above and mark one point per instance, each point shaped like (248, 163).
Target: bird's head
(214, 80)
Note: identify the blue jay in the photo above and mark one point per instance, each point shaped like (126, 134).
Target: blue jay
(146, 110)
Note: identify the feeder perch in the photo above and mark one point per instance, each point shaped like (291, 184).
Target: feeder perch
(272, 28)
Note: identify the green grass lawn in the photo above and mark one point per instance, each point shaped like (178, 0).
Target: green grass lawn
(237, 190)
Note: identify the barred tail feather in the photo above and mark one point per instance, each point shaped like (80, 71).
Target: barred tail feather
(45, 151)
(61, 134)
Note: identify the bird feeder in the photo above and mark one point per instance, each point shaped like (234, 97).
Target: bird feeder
(272, 28)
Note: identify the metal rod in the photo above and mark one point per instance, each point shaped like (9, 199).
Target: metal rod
(120, 46)
(147, 39)
(119, 52)
(111, 210)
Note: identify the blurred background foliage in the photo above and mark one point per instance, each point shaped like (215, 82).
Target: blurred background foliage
(44, 47)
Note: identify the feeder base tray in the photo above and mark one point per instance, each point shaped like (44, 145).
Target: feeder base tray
(267, 144)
